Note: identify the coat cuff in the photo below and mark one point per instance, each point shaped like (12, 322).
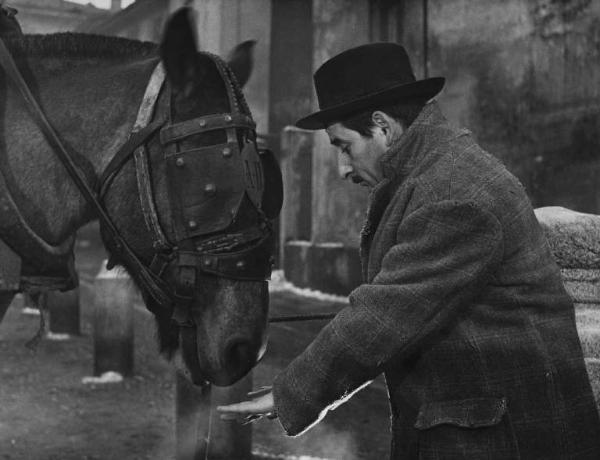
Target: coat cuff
(295, 414)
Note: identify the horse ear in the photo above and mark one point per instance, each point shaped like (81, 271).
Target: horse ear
(240, 61)
(178, 50)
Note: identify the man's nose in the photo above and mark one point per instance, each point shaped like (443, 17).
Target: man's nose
(344, 166)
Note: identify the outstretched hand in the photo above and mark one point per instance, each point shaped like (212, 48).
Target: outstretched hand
(261, 405)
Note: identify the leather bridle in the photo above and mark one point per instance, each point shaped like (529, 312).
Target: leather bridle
(244, 255)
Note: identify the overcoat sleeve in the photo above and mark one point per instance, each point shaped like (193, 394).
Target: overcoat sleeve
(443, 255)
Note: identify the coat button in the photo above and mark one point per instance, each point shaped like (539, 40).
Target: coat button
(226, 152)
(192, 224)
(179, 162)
(240, 265)
(228, 118)
(202, 123)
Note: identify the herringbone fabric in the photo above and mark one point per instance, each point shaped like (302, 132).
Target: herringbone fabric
(463, 309)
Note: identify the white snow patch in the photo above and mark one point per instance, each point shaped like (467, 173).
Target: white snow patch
(57, 336)
(299, 243)
(333, 244)
(107, 377)
(278, 283)
(30, 311)
(114, 273)
(262, 454)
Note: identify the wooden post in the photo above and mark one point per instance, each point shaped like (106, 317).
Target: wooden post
(230, 440)
(113, 322)
(192, 419)
(63, 308)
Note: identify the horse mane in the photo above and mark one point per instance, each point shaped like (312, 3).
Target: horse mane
(79, 45)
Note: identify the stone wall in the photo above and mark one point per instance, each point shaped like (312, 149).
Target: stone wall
(574, 239)
(523, 76)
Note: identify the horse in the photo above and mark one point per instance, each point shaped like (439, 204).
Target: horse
(188, 207)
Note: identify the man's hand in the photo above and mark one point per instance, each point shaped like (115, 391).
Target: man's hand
(261, 405)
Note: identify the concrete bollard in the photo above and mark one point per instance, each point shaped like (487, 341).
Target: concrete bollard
(200, 432)
(574, 239)
(192, 419)
(63, 311)
(230, 440)
(113, 322)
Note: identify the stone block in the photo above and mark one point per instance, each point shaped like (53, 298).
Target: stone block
(583, 286)
(574, 237)
(588, 327)
(593, 369)
(327, 267)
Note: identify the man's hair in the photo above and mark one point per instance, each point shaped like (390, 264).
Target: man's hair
(405, 113)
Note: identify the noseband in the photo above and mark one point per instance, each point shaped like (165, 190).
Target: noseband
(201, 243)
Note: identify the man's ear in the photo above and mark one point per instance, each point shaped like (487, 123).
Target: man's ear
(390, 127)
(178, 50)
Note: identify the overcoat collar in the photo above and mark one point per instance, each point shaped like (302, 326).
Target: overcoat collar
(397, 163)
(405, 153)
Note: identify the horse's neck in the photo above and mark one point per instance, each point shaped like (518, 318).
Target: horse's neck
(92, 105)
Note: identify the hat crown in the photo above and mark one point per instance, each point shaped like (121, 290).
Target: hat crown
(362, 71)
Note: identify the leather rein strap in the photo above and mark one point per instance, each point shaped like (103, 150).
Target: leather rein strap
(154, 285)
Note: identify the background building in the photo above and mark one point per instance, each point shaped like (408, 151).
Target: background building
(521, 74)
(47, 16)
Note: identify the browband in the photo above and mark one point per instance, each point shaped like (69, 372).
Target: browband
(181, 130)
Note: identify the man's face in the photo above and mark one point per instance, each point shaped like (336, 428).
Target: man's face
(358, 156)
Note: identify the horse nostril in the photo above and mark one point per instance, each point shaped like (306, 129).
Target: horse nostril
(239, 354)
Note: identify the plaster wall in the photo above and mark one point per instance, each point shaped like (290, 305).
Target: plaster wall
(523, 76)
(338, 207)
(222, 25)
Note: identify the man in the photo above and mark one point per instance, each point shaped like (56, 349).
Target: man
(462, 307)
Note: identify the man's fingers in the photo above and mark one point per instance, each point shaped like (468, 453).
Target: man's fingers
(239, 408)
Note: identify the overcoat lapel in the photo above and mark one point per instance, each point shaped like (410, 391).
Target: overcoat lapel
(379, 199)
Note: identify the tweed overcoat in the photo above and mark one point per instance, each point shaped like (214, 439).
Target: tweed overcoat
(462, 308)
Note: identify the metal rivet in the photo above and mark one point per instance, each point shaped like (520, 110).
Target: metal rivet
(226, 152)
(210, 189)
(180, 162)
(202, 122)
(240, 265)
(206, 262)
(199, 248)
(228, 118)
(192, 224)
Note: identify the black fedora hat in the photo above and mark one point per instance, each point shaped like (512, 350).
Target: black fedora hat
(366, 76)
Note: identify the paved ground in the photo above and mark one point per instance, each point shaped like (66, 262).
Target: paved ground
(46, 413)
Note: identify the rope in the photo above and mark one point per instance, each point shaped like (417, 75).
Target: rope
(40, 304)
(285, 319)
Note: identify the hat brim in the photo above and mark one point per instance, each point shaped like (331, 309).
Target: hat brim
(418, 90)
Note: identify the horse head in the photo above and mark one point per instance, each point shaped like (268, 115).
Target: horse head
(215, 195)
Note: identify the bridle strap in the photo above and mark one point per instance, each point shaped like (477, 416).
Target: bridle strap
(124, 153)
(179, 131)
